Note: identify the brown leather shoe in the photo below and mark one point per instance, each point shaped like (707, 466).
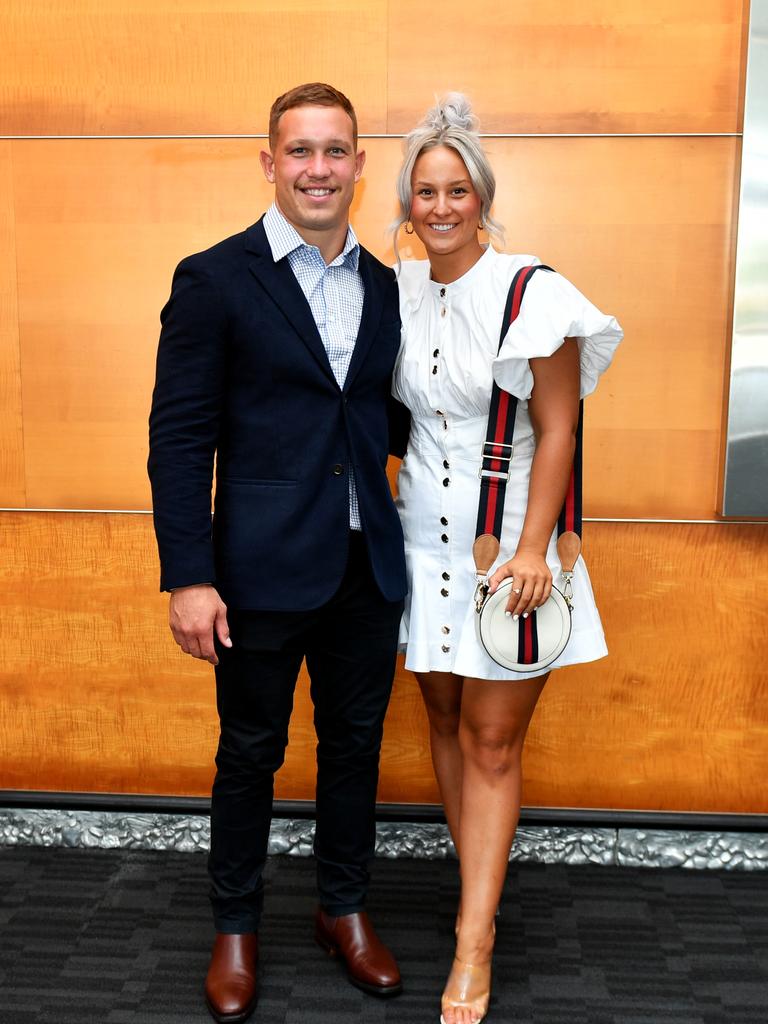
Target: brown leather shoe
(370, 965)
(230, 985)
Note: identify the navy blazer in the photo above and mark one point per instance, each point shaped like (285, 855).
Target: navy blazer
(243, 376)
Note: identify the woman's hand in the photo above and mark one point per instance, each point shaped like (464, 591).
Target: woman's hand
(531, 582)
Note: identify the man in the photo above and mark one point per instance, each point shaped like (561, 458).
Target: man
(275, 356)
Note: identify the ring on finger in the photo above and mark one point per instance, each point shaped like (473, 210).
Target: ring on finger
(515, 590)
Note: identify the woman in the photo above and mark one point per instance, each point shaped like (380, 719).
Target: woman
(452, 308)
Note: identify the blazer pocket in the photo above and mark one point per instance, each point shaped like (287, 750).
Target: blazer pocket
(244, 481)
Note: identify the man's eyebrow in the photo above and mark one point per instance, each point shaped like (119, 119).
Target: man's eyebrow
(341, 143)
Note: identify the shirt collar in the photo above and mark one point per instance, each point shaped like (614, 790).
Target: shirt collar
(284, 239)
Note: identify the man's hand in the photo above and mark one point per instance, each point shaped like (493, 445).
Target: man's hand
(194, 614)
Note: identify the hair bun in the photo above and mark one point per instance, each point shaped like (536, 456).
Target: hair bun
(454, 111)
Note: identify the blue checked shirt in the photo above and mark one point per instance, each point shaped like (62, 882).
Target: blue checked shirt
(335, 295)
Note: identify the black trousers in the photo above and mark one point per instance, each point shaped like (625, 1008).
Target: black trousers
(350, 645)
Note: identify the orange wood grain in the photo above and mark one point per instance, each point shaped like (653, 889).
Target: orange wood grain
(642, 226)
(12, 476)
(182, 66)
(95, 696)
(563, 67)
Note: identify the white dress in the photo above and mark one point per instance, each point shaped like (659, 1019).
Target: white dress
(448, 357)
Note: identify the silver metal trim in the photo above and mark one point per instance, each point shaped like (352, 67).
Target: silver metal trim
(564, 844)
(745, 483)
(396, 135)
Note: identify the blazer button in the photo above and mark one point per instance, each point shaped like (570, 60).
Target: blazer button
(338, 469)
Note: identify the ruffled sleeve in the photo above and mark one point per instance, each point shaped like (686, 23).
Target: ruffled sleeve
(553, 309)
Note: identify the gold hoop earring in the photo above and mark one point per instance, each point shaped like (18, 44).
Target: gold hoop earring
(406, 228)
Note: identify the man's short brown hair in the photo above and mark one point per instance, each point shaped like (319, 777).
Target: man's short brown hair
(313, 94)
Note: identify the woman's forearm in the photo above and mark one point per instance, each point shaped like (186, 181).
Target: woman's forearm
(550, 474)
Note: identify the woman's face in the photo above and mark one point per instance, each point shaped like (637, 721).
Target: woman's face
(446, 208)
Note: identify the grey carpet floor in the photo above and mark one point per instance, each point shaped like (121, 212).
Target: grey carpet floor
(122, 937)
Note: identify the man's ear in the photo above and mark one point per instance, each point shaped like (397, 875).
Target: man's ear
(359, 164)
(267, 162)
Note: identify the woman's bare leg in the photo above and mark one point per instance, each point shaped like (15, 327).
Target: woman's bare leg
(442, 698)
(494, 720)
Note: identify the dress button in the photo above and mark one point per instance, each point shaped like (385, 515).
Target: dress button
(338, 469)
(443, 520)
(446, 482)
(446, 648)
(446, 575)
(444, 592)
(445, 464)
(444, 538)
(446, 629)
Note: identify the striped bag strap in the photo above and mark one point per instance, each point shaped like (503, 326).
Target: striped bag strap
(497, 455)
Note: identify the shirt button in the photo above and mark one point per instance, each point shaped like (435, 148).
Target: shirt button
(446, 648)
(444, 538)
(442, 293)
(434, 369)
(446, 482)
(444, 592)
(446, 629)
(446, 575)
(338, 469)
(445, 464)
(443, 520)
(439, 412)
(443, 311)
(436, 353)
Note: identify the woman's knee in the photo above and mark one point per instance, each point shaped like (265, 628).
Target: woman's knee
(491, 749)
(444, 721)
(442, 699)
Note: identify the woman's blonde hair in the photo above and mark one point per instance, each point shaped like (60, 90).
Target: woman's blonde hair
(449, 123)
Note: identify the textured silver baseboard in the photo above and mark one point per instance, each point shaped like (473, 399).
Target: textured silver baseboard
(738, 851)
(734, 851)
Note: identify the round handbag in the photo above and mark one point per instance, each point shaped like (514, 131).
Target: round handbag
(527, 645)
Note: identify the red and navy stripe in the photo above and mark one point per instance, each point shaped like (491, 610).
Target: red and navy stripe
(501, 423)
(570, 515)
(527, 640)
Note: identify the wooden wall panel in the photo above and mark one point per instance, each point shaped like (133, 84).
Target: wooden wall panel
(101, 225)
(554, 66)
(648, 237)
(12, 491)
(183, 66)
(95, 695)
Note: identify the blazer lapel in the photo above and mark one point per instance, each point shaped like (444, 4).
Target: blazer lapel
(280, 284)
(369, 321)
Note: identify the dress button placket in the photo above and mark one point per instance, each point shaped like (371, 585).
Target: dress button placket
(443, 528)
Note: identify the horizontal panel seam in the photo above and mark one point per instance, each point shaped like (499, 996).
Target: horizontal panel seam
(586, 519)
(381, 135)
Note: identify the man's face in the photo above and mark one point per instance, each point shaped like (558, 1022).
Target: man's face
(314, 167)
